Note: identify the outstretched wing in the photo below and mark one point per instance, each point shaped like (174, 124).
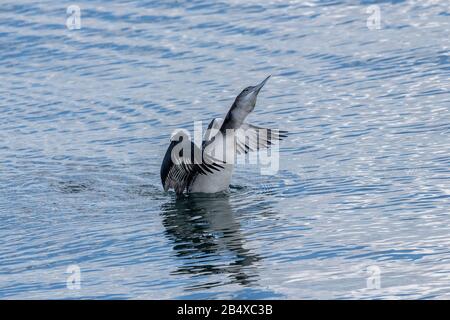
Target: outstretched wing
(253, 138)
(183, 161)
(213, 129)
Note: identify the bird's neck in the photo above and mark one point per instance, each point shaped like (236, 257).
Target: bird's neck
(234, 118)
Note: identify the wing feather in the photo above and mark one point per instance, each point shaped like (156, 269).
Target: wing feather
(253, 138)
(178, 169)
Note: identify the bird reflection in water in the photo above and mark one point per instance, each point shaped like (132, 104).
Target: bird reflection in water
(208, 239)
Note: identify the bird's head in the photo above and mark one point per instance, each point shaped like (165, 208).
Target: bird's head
(246, 100)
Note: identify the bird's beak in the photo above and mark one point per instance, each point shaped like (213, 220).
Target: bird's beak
(259, 86)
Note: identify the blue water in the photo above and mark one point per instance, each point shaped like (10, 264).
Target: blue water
(364, 180)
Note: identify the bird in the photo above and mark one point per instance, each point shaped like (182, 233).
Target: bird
(190, 168)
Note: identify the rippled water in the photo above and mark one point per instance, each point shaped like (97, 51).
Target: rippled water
(364, 179)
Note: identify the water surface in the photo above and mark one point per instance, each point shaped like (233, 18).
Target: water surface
(364, 180)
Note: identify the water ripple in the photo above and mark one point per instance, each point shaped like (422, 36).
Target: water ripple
(86, 116)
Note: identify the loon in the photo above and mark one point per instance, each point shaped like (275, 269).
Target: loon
(208, 168)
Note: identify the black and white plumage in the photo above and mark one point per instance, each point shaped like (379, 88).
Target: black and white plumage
(208, 168)
(178, 169)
